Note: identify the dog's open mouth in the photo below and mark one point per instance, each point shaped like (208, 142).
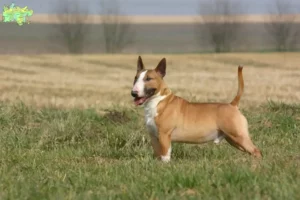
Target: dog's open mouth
(139, 100)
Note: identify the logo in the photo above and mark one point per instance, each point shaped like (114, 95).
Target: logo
(17, 14)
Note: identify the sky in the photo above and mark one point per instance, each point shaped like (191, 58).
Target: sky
(154, 7)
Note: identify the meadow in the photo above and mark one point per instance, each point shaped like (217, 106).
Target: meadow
(69, 129)
(104, 80)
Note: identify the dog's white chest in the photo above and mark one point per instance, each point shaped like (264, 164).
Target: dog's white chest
(151, 113)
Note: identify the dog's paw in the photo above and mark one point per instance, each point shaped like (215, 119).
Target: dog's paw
(165, 159)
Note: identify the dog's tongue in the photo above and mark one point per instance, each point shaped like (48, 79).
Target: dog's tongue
(139, 100)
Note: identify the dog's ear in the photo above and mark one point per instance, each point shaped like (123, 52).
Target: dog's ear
(161, 67)
(140, 64)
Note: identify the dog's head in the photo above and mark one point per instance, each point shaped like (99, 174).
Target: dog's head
(147, 82)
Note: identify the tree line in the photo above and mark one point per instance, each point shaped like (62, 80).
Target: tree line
(219, 24)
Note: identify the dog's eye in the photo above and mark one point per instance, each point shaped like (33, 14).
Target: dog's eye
(148, 79)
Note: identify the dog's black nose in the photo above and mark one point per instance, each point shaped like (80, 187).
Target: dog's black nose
(134, 93)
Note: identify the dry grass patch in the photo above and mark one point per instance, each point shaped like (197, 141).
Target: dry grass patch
(104, 80)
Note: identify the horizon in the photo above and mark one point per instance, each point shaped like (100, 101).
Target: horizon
(158, 7)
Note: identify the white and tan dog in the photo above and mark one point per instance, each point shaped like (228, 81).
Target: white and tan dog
(171, 118)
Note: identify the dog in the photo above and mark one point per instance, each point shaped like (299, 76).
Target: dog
(170, 118)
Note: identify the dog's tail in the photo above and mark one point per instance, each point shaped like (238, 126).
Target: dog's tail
(236, 100)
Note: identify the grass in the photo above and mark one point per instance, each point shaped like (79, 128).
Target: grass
(69, 131)
(52, 153)
(102, 80)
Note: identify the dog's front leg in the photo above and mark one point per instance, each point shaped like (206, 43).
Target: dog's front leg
(156, 146)
(165, 146)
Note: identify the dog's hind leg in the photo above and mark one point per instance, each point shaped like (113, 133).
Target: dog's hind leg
(237, 135)
(244, 143)
(220, 137)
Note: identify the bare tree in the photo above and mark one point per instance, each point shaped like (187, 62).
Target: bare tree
(117, 28)
(219, 24)
(72, 29)
(282, 26)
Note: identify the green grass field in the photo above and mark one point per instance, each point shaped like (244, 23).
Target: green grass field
(52, 153)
